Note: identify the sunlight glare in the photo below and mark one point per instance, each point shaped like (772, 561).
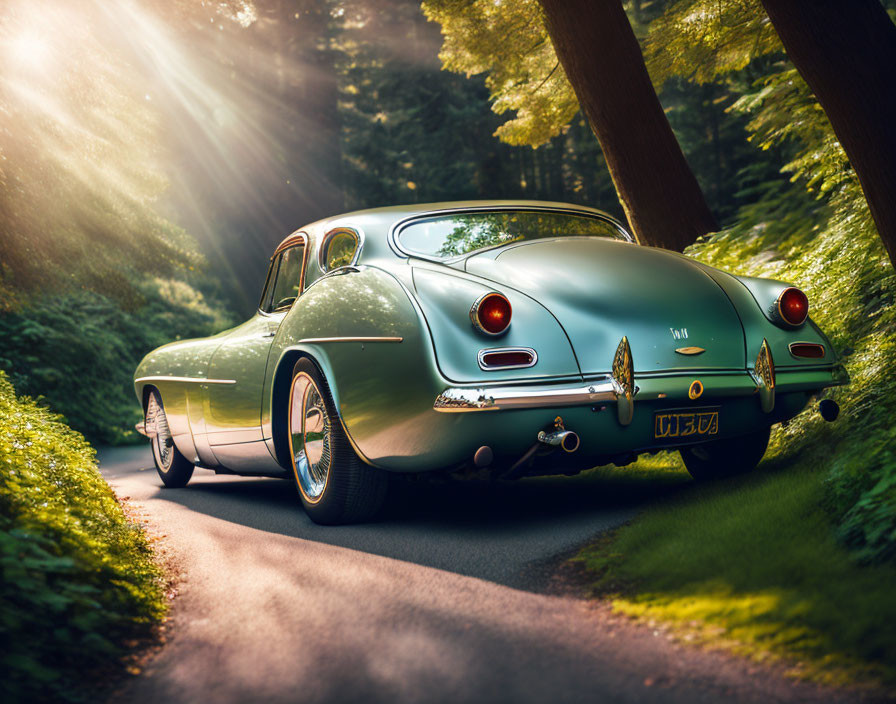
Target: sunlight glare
(30, 51)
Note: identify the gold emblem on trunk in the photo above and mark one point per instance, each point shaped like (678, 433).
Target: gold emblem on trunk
(690, 350)
(696, 390)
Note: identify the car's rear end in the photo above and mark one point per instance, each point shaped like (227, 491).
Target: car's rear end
(581, 348)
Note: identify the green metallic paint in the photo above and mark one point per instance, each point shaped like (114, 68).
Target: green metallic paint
(601, 290)
(758, 327)
(446, 297)
(233, 413)
(573, 301)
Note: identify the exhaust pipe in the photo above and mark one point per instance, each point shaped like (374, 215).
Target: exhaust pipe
(829, 409)
(565, 439)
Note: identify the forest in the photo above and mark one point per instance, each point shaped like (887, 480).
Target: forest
(153, 153)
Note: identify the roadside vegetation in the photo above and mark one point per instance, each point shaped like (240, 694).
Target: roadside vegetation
(753, 566)
(797, 560)
(78, 578)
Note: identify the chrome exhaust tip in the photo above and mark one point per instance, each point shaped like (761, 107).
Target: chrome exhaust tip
(566, 440)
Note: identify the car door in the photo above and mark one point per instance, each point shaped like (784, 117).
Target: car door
(233, 411)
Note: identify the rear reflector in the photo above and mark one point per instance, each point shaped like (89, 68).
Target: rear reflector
(807, 350)
(507, 358)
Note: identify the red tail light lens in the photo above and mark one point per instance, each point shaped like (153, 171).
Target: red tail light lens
(508, 357)
(491, 314)
(793, 306)
(807, 350)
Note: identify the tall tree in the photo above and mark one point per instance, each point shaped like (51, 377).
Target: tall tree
(518, 44)
(847, 54)
(602, 59)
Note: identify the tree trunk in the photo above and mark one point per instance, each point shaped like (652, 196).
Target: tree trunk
(846, 52)
(602, 59)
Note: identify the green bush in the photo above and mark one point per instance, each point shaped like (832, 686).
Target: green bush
(852, 289)
(79, 351)
(77, 577)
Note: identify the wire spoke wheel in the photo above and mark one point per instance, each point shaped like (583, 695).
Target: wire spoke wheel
(162, 440)
(310, 428)
(174, 469)
(335, 485)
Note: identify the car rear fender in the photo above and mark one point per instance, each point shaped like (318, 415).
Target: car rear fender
(446, 297)
(369, 339)
(753, 298)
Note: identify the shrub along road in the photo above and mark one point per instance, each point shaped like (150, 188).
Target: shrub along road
(438, 601)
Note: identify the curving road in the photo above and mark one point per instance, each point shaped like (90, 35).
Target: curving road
(442, 600)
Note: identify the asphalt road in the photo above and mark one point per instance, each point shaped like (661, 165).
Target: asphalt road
(441, 600)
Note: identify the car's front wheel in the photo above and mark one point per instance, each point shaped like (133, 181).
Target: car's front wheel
(174, 469)
(725, 458)
(334, 485)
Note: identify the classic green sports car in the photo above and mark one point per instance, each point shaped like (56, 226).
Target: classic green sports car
(517, 338)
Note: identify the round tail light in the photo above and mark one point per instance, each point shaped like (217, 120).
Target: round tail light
(491, 314)
(793, 306)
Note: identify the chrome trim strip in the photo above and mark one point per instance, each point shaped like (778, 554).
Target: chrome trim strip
(462, 400)
(316, 340)
(185, 379)
(498, 398)
(394, 231)
(487, 368)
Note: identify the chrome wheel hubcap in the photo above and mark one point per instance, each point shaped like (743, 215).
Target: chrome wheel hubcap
(309, 437)
(157, 425)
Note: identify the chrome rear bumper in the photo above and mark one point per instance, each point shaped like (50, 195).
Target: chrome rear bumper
(648, 387)
(461, 400)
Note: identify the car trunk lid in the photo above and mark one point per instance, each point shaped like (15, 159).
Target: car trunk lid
(601, 290)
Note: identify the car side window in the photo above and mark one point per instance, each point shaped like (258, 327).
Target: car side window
(339, 249)
(264, 303)
(287, 279)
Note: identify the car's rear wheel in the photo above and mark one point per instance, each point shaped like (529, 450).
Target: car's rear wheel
(335, 486)
(725, 458)
(174, 469)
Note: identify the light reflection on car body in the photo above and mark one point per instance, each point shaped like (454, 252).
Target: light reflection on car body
(389, 329)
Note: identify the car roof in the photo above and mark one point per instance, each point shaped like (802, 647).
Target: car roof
(378, 221)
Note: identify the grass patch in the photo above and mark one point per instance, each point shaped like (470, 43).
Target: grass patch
(78, 579)
(752, 565)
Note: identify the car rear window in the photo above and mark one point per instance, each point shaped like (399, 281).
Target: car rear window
(456, 234)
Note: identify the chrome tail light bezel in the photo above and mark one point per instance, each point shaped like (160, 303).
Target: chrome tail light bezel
(779, 313)
(815, 346)
(485, 366)
(474, 314)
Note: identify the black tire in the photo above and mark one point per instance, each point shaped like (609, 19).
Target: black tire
(338, 487)
(725, 458)
(174, 469)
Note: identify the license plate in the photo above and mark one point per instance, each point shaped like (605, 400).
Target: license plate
(682, 425)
